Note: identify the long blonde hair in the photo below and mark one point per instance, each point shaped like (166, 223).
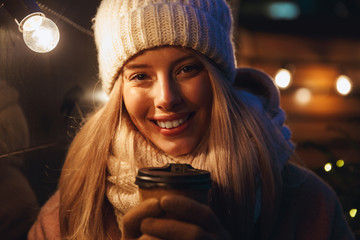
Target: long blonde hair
(239, 153)
(243, 160)
(82, 181)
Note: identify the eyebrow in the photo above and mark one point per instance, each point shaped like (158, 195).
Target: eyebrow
(136, 66)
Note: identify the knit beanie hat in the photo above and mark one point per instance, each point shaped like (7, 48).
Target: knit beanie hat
(124, 28)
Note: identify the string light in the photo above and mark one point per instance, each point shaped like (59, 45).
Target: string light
(39, 32)
(340, 163)
(353, 212)
(328, 167)
(283, 78)
(343, 85)
(65, 19)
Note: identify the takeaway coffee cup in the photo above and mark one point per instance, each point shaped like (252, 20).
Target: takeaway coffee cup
(181, 179)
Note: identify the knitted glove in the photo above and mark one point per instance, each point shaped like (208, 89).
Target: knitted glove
(149, 208)
(172, 218)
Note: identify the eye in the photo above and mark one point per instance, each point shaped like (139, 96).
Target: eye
(190, 70)
(139, 77)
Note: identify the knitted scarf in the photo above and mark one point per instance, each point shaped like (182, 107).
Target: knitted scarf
(122, 192)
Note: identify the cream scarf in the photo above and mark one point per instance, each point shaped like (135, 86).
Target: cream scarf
(131, 151)
(121, 190)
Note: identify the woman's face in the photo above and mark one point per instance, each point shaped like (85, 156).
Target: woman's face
(167, 93)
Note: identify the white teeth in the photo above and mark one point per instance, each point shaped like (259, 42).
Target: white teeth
(175, 123)
(171, 124)
(168, 124)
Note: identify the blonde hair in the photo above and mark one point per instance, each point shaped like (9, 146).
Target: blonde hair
(242, 158)
(82, 181)
(239, 153)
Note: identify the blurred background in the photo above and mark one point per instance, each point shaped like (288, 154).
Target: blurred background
(310, 47)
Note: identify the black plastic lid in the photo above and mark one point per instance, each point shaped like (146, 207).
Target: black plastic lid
(178, 176)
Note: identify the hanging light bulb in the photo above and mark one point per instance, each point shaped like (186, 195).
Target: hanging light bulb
(40, 33)
(343, 85)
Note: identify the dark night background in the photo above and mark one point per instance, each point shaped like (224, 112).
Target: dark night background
(56, 89)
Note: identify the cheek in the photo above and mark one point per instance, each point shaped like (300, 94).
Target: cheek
(135, 104)
(200, 93)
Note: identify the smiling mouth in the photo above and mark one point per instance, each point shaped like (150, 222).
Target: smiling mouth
(174, 123)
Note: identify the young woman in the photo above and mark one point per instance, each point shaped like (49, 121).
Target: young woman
(176, 97)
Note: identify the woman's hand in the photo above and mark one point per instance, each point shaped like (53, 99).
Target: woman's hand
(149, 208)
(172, 218)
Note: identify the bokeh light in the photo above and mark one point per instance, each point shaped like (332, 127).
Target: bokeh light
(340, 163)
(353, 212)
(283, 78)
(303, 96)
(343, 85)
(283, 10)
(328, 167)
(101, 96)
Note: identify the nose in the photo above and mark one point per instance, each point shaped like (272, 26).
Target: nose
(168, 94)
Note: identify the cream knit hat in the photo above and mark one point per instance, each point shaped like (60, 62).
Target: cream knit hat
(123, 28)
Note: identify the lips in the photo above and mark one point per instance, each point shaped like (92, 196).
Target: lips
(173, 125)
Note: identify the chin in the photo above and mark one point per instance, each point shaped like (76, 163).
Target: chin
(178, 151)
